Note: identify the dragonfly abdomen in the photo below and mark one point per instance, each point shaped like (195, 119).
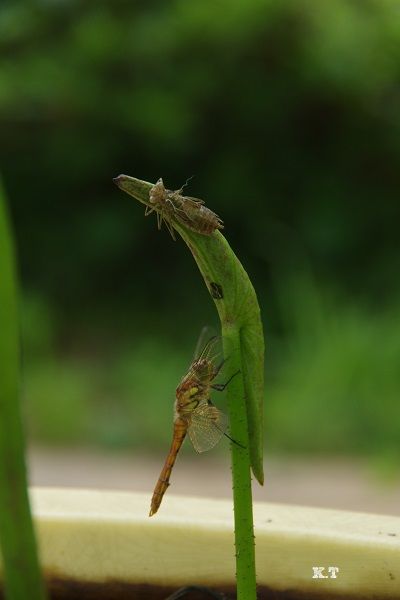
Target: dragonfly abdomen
(180, 428)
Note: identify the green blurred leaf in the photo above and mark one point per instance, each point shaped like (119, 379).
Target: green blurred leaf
(22, 578)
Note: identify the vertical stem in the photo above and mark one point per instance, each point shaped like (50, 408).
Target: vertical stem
(243, 341)
(241, 478)
(22, 577)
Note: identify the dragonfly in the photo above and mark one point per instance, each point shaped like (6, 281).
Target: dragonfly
(195, 415)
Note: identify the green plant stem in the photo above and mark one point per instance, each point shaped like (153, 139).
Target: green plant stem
(222, 266)
(241, 480)
(243, 343)
(22, 578)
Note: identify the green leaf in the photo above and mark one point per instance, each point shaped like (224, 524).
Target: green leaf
(22, 578)
(238, 309)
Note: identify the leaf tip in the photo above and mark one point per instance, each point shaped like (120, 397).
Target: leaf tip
(119, 180)
(258, 473)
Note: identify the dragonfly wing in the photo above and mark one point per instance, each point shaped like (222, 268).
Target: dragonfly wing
(211, 344)
(206, 334)
(207, 426)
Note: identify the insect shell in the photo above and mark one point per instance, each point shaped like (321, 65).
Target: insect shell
(190, 212)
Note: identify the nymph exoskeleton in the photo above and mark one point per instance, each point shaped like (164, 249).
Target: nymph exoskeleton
(188, 211)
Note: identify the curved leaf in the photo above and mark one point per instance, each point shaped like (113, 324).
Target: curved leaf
(238, 309)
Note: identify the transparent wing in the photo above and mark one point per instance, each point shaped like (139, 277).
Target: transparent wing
(207, 340)
(207, 426)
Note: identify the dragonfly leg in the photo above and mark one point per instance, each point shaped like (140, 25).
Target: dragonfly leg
(234, 441)
(219, 387)
(218, 368)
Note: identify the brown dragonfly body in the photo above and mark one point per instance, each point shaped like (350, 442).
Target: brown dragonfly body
(194, 414)
(180, 429)
(190, 212)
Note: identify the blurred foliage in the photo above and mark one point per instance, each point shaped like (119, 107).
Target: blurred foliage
(338, 387)
(287, 115)
(332, 385)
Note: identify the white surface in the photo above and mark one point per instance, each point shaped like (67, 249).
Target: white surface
(97, 535)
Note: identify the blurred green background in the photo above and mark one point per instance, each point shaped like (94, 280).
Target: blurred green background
(287, 115)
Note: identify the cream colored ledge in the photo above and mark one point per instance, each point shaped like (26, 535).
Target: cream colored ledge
(98, 535)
